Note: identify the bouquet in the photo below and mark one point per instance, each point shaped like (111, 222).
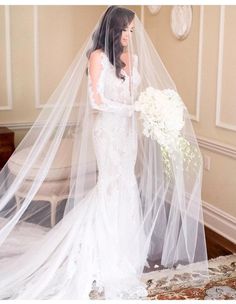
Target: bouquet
(162, 114)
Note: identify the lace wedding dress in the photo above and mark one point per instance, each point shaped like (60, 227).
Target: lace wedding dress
(120, 210)
(101, 250)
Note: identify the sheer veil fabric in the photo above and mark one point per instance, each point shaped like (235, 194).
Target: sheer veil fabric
(84, 200)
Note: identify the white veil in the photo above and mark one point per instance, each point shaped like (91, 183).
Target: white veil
(54, 168)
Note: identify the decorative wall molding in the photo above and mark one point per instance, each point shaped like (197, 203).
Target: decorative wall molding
(142, 15)
(196, 116)
(219, 221)
(217, 147)
(218, 122)
(8, 59)
(38, 105)
(28, 125)
(206, 143)
(154, 9)
(17, 125)
(37, 100)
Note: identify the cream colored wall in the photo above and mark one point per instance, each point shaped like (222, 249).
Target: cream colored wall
(47, 51)
(36, 51)
(43, 41)
(197, 58)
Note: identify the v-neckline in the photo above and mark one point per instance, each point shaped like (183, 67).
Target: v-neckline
(114, 66)
(129, 69)
(129, 84)
(126, 73)
(128, 77)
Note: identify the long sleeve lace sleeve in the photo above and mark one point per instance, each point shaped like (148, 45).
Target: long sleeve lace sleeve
(96, 89)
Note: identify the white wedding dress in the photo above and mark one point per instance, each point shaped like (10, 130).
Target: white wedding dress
(102, 244)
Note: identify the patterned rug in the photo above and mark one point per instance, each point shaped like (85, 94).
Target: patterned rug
(177, 284)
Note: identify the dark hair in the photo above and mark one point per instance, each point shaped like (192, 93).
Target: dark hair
(117, 18)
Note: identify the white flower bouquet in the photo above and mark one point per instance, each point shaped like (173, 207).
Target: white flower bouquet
(161, 112)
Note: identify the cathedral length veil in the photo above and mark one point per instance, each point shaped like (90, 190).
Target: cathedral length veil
(56, 162)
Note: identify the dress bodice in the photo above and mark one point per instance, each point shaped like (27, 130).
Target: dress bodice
(118, 89)
(113, 90)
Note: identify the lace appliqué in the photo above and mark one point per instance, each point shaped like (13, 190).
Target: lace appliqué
(114, 92)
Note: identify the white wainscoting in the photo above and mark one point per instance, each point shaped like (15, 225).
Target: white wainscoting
(219, 221)
(218, 121)
(196, 116)
(215, 218)
(216, 146)
(8, 59)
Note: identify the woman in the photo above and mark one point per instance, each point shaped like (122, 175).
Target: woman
(122, 215)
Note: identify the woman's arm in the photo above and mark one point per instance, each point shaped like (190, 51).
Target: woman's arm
(96, 88)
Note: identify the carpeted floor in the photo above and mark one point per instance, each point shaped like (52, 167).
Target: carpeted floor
(177, 284)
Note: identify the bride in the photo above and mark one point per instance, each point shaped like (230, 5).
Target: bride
(87, 157)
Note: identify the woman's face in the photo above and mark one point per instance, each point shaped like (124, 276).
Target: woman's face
(126, 34)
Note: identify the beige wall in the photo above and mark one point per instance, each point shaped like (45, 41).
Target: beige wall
(28, 51)
(193, 64)
(36, 39)
(40, 38)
